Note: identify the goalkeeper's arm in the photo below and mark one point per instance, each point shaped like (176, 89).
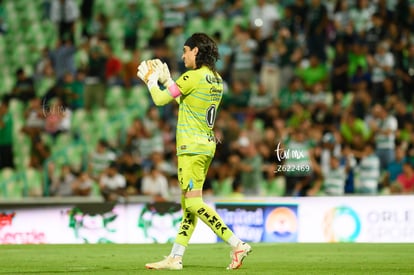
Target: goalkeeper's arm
(153, 71)
(160, 97)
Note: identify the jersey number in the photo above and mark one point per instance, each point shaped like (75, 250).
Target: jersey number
(211, 115)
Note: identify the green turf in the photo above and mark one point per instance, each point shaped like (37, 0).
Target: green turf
(209, 259)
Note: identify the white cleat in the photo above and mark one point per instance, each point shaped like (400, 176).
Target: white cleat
(169, 263)
(238, 254)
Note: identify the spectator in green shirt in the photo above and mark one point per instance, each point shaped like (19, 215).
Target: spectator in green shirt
(223, 182)
(133, 17)
(292, 94)
(315, 72)
(250, 167)
(6, 135)
(354, 130)
(299, 115)
(357, 58)
(237, 99)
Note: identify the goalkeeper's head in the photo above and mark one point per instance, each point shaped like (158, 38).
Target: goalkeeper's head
(207, 54)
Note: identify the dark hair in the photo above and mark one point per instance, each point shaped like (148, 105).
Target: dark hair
(207, 50)
(19, 71)
(103, 143)
(217, 35)
(5, 100)
(113, 164)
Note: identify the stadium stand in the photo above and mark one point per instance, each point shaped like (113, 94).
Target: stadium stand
(31, 41)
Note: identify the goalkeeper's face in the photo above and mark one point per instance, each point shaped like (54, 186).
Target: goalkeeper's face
(189, 57)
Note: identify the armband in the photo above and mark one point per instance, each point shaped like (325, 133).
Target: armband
(174, 90)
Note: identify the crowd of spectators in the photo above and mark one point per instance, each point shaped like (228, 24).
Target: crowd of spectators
(318, 98)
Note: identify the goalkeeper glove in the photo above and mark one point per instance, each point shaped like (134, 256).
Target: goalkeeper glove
(147, 72)
(164, 73)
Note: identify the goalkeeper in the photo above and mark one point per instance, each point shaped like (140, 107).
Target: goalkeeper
(198, 93)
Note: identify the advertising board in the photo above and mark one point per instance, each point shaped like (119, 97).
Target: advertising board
(379, 219)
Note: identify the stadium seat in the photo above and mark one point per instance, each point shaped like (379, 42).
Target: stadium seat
(36, 38)
(100, 115)
(20, 5)
(91, 138)
(5, 175)
(59, 158)
(20, 55)
(6, 83)
(43, 85)
(62, 141)
(124, 54)
(195, 24)
(112, 131)
(21, 151)
(95, 192)
(248, 5)
(115, 98)
(30, 12)
(78, 29)
(274, 187)
(50, 33)
(15, 189)
(16, 107)
(84, 126)
(137, 100)
(237, 20)
(80, 121)
(217, 24)
(33, 183)
(21, 160)
(100, 120)
(116, 28)
(12, 15)
(152, 17)
(76, 155)
(47, 139)
(11, 185)
(81, 58)
(106, 7)
(22, 144)
(2, 44)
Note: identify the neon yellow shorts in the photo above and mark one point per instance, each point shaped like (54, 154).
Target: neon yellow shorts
(192, 171)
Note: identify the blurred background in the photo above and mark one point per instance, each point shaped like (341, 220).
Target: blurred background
(317, 102)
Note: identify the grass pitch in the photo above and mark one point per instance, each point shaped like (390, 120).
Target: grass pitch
(209, 259)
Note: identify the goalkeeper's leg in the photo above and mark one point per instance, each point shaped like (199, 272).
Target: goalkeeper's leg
(210, 217)
(187, 226)
(174, 260)
(192, 171)
(197, 207)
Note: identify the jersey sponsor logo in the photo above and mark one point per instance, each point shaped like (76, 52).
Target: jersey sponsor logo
(186, 77)
(186, 224)
(212, 79)
(215, 94)
(211, 219)
(183, 147)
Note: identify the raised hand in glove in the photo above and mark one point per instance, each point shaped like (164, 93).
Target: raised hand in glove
(164, 73)
(148, 72)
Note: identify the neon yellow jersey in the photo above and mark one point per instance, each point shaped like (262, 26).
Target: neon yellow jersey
(201, 93)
